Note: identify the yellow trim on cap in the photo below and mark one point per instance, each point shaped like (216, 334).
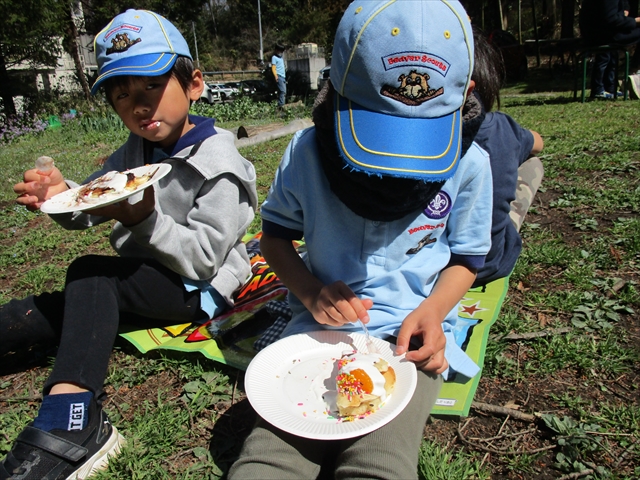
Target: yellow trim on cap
(466, 39)
(373, 152)
(95, 39)
(355, 45)
(166, 36)
(132, 68)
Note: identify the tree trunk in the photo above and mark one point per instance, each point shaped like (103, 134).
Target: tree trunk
(5, 88)
(568, 14)
(72, 48)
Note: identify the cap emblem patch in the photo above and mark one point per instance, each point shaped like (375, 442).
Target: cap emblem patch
(413, 90)
(121, 43)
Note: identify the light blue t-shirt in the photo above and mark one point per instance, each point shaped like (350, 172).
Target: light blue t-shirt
(279, 63)
(397, 263)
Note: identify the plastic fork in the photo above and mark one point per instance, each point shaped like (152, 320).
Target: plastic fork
(371, 347)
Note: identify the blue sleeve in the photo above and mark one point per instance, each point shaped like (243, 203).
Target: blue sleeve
(469, 224)
(281, 212)
(523, 138)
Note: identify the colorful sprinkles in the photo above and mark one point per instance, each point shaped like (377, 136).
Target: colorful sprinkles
(349, 385)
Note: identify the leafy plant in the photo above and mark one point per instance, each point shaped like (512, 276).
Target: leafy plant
(577, 444)
(598, 313)
(210, 389)
(586, 224)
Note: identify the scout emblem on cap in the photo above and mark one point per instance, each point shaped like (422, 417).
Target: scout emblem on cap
(121, 43)
(413, 90)
(154, 56)
(401, 70)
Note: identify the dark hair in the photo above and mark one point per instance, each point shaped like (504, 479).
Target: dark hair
(488, 70)
(182, 70)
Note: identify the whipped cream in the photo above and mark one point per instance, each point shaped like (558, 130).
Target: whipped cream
(351, 361)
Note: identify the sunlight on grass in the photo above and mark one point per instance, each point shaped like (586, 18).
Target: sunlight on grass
(438, 463)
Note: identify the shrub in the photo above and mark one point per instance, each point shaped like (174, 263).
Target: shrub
(20, 124)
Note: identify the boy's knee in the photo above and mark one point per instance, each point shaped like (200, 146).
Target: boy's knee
(30, 330)
(88, 265)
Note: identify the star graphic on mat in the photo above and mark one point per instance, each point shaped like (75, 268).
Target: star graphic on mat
(471, 309)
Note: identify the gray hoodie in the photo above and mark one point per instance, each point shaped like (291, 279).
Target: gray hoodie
(203, 209)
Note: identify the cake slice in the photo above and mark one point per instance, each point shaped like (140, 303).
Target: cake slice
(363, 383)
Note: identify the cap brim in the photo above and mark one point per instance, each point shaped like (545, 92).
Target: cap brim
(377, 143)
(147, 65)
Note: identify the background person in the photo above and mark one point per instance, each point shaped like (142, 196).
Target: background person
(180, 248)
(604, 22)
(279, 73)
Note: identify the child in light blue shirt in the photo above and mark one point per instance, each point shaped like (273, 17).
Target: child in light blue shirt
(394, 203)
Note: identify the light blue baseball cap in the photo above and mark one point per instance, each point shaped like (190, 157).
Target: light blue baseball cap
(137, 42)
(401, 69)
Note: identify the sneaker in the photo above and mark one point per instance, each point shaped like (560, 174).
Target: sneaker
(604, 95)
(61, 454)
(634, 86)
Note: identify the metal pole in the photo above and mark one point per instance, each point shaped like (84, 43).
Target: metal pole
(535, 31)
(195, 41)
(520, 21)
(260, 33)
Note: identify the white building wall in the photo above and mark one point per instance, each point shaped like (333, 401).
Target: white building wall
(307, 59)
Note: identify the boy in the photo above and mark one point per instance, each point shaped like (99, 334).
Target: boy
(393, 200)
(181, 254)
(279, 73)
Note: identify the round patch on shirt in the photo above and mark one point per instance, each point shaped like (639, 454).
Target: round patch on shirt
(439, 207)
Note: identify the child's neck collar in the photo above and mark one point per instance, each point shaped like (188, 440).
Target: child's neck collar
(203, 129)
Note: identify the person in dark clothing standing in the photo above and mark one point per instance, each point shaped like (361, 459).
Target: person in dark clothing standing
(603, 22)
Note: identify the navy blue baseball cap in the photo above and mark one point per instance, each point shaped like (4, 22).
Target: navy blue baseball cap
(137, 42)
(401, 70)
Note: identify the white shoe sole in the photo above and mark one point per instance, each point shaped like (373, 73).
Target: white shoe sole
(634, 88)
(101, 457)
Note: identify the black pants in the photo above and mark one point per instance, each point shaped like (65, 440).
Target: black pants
(83, 320)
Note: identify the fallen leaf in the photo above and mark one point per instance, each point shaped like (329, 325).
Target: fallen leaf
(615, 254)
(543, 319)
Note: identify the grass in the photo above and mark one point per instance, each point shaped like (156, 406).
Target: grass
(185, 416)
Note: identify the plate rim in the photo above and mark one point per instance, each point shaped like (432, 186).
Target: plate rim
(339, 430)
(83, 207)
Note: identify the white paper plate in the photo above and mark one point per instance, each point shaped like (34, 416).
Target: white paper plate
(285, 383)
(66, 202)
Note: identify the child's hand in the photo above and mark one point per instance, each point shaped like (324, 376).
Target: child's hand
(38, 186)
(430, 356)
(336, 304)
(126, 213)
